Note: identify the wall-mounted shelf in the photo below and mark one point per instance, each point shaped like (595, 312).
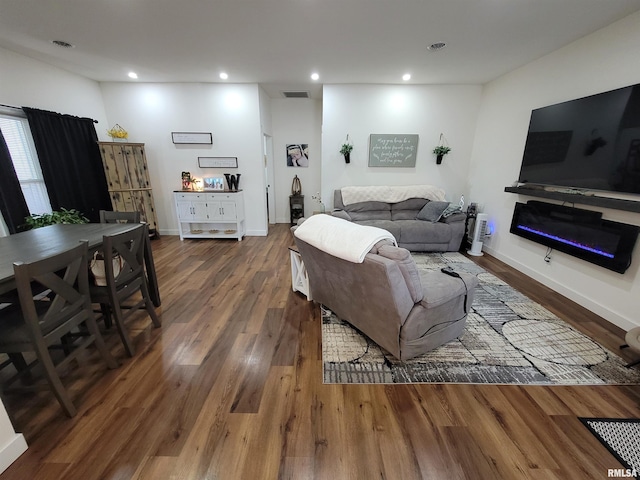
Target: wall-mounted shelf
(605, 202)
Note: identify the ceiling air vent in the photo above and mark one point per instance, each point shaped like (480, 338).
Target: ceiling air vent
(297, 94)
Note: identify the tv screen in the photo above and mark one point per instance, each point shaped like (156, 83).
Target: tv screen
(592, 143)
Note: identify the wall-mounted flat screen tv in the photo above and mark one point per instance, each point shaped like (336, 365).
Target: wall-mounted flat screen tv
(592, 143)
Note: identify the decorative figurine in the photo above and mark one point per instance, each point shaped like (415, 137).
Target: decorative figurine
(233, 181)
(186, 180)
(296, 186)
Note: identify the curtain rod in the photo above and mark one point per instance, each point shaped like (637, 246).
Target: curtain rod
(22, 110)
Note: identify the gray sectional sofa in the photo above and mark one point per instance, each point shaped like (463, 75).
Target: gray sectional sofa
(429, 232)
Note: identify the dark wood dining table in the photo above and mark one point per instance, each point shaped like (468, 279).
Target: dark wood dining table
(45, 241)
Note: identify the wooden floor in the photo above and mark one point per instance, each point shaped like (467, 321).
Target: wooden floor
(231, 388)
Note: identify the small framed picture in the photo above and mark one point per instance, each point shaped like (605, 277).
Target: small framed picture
(213, 183)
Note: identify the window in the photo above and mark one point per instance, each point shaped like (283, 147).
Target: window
(16, 133)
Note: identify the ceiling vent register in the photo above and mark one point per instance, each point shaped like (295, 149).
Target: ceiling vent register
(296, 94)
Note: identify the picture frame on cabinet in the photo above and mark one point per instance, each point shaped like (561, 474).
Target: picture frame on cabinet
(213, 183)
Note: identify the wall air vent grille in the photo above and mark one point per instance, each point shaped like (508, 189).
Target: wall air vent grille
(296, 94)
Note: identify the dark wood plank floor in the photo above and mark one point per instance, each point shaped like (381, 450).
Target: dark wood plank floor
(231, 388)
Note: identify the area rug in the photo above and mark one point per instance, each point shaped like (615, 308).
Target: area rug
(621, 436)
(508, 339)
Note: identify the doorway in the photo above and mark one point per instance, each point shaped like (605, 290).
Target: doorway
(269, 178)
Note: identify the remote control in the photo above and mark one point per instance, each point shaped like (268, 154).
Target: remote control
(450, 271)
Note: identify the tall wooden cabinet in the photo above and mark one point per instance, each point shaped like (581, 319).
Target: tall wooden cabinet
(125, 166)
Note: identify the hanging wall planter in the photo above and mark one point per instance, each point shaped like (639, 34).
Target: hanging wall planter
(441, 150)
(346, 150)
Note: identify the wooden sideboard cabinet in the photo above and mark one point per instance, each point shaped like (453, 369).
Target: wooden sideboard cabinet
(125, 166)
(210, 215)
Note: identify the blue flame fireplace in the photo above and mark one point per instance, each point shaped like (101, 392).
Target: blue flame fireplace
(577, 232)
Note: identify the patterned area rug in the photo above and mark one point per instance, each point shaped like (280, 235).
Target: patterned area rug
(622, 439)
(509, 339)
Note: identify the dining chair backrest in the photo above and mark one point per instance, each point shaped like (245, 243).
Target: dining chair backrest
(129, 246)
(54, 320)
(66, 276)
(126, 249)
(119, 217)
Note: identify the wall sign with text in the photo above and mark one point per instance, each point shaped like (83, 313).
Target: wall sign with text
(393, 150)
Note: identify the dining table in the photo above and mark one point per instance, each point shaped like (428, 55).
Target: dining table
(39, 243)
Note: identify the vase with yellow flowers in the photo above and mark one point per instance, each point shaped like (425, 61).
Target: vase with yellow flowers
(118, 134)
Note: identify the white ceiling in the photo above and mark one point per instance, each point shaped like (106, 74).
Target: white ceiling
(279, 43)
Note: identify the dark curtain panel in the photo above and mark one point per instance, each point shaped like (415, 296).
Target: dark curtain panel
(70, 160)
(12, 204)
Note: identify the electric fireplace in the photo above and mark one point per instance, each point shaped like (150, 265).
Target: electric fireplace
(581, 233)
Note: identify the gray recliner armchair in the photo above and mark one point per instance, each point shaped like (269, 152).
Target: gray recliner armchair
(406, 312)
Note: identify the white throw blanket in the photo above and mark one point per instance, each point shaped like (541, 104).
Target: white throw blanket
(341, 238)
(390, 194)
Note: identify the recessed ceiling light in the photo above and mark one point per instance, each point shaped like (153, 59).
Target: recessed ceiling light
(406, 77)
(223, 75)
(132, 75)
(436, 46)
(62, 44)
(315, 76)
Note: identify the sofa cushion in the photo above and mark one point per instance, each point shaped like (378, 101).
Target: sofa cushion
(369, 211)
(392, 227)
(413, 231)
(455, 218)
(432, 211)
(439, 288)
(408, 209)
(450, 210)
(342, 214)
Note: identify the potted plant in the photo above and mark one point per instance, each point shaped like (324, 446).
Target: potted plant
(60, 216)
(346, 151)
(440, 151)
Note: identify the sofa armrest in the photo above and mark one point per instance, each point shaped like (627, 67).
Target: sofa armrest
(456, 217)
(341, 214)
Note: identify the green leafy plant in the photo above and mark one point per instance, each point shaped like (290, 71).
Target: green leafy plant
(346, 149)
(441, 150)
(59, 216)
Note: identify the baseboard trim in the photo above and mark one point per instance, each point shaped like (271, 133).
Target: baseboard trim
(598, 309)
(12, 450)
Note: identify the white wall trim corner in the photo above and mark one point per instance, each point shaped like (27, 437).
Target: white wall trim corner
(10, 452)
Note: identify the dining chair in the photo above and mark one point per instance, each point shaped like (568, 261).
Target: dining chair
(48, 322)
(115, 298)
(119, 217)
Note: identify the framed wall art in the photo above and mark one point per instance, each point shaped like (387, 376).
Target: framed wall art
(393, 150)
(218, 162)
(192, 137)
(298, 155)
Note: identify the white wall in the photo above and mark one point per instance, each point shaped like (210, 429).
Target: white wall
(605, 60)
(231, 112)
(296, 121)
(29, 83)
(426, 110)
